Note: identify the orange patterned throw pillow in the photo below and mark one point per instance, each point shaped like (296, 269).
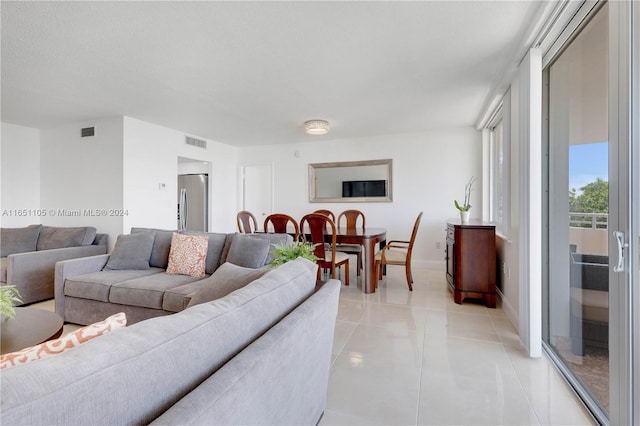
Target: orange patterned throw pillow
(70, 341)
(188, 255)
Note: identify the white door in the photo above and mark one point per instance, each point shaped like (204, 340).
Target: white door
(257, 190)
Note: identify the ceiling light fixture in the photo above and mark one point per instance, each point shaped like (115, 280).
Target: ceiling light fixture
(316, 127)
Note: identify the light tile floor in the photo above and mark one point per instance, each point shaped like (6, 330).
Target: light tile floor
(417, 358)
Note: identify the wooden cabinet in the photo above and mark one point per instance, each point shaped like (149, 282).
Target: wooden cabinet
(471, 261)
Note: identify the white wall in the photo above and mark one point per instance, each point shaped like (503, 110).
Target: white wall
(508, 249)
(20, 175)
(430, 170)
(151, 158)
(81, 178)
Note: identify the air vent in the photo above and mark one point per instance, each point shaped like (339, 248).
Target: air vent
(195, 142)
(88, 131)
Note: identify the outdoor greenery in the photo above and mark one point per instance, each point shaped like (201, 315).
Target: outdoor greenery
(284, 253)
(9, 295)
(594, 198)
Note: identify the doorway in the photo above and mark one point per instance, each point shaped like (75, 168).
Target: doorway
(257, 190)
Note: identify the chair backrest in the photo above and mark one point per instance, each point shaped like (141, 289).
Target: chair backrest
(317, 226)
(414, 233)
(327, 213)
(247, 222)
(351, 216)
(280, 223)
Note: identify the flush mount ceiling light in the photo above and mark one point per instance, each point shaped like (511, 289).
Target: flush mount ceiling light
(316, 127)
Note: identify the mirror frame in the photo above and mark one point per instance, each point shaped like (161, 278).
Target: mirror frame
(312, 179)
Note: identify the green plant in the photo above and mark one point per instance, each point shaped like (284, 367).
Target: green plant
(467, 196)
(285, 253)
(8, 296)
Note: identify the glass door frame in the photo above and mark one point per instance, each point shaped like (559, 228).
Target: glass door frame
(624, 140)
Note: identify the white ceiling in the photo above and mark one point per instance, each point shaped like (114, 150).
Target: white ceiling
(250, 73)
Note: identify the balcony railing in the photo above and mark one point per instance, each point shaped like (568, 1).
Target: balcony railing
(589, 220)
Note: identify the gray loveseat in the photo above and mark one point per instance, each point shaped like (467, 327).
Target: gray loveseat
(28, 255)
(87, 291)
(260, 355)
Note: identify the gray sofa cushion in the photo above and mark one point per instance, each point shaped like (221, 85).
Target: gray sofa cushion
(280, 239)
(214, 250)
(19, 240)
(148, 291)
(53, 237)
(227, 278)
(3, 269)
(96, 285)
(247, 251)
(161, 246)
(131, 252)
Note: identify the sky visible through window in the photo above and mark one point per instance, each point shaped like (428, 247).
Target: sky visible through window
(587, 162)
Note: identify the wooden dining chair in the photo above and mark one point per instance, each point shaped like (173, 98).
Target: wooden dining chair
(247, 222)
(398, 252)
(327, 213)
(280, 224)
(328, 258)
(351, 219)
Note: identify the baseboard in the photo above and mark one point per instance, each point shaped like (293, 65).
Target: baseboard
(509, 311)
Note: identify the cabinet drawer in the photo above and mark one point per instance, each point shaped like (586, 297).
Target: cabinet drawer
(450, 233)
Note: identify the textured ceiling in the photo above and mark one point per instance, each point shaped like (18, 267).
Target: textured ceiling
(250, 73)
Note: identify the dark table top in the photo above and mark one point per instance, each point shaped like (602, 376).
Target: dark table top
(30, 327)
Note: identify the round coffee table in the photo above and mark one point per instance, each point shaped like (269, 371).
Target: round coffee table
(30, 327)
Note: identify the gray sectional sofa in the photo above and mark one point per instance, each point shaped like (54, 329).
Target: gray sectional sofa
(28, 255)
(88, 290)
(260, 355)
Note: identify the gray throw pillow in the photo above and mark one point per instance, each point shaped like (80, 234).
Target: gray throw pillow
(131, 251)
(280, 239)
(226, 279)
(19, 240)
(53, 237)
(248, 252)
(161, 246)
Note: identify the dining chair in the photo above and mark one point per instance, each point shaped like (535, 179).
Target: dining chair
(352, 217)
(317, 226)
(247, 222)
(398, 252)
(327, 213)
(280, 224)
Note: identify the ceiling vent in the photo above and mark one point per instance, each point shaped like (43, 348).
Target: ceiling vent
(87, 131)
(195, 142)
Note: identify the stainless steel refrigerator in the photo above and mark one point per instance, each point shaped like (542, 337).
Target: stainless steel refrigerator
(193, 202)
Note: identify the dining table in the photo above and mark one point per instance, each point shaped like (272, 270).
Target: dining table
(368, 238)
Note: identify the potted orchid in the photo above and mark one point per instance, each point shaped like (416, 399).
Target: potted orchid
(465, 206)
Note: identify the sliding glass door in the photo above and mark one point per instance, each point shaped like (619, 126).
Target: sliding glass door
(588, 325)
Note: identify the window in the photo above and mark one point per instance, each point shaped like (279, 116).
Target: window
(500, 169)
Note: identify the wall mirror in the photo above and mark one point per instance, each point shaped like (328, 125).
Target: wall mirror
(350, 182)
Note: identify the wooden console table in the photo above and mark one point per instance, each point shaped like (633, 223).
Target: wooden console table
(471, 261)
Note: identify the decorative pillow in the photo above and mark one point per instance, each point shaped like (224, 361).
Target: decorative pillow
(280, 239)
(70, 341)
(131, 251)
(214, 252)
(161, 246)
(19, 240)
(248, 252)
(188, 255)
(53, 237)
(226, 279)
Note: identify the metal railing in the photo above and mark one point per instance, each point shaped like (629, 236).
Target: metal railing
(589, 220)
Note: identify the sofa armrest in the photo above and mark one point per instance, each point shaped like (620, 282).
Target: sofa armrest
(33, 272)
(73, 268)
